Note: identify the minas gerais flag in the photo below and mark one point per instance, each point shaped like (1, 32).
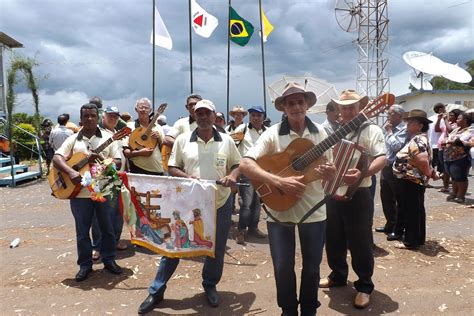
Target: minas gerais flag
(240, 30)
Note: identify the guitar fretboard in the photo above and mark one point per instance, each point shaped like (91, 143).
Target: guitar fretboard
(318, 150)
(85, 160)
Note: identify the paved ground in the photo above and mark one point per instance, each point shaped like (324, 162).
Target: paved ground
(38, 276)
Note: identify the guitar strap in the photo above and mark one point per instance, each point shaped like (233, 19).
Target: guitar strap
(308, 214)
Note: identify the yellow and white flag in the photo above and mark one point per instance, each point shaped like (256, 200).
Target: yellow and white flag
(267, 27)
(175, 217)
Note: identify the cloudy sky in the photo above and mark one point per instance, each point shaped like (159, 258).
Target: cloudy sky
(95, 47)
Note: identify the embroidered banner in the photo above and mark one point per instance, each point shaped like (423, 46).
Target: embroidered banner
(174, 217)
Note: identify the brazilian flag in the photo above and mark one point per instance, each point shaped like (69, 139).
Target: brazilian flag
(240, 30)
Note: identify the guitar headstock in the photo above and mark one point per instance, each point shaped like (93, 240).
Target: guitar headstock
(161, 109)
(379, 105)
(122, 133)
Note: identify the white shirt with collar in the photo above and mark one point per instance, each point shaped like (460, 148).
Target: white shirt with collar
(276, 139)
(208, 161)
(79, 143)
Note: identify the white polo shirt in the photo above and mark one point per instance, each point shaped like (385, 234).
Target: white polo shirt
(80, 143)
(151, 163)
(181, 126)
(275, 139)
(372, 139)
(250, 136)
(208, 161)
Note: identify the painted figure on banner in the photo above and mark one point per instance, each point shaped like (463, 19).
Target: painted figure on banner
(181, 232)
(198, 227)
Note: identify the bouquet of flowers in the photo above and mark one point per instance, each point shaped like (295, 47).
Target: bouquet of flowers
(102, 180)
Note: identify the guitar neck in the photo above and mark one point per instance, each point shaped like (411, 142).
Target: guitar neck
(84, 161)
(152, 123)
(319, 149)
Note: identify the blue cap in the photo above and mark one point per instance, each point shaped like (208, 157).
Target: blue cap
(256, 108)
(112, 109)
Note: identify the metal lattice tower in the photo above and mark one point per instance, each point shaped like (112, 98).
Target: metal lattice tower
(372, 77)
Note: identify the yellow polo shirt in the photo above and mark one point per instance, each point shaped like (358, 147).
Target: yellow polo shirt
(80, 143)
(208, 161)
(275, 139)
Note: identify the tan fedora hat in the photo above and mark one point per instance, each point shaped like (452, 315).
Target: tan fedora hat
(416, 114)
(294, 88)
(238, 109)
(348, 97)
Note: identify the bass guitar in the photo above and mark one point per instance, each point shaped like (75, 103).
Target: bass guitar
(61, 185)
(302, 156)
(141, 136)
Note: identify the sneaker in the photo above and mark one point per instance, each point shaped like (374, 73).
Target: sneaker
(240, 238)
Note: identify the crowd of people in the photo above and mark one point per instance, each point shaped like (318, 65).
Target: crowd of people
(408, 151)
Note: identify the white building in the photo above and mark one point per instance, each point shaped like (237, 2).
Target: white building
(426, 99)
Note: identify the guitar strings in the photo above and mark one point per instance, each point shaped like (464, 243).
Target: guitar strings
(315, 152)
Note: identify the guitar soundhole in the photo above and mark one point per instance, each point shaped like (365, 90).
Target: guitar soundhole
(298, 164)
(144, 137)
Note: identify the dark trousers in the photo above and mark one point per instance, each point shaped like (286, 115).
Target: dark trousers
(282, 248)
(390, 197)
(413, 212)
(349, 226)
(213, 267)
(117, 222)
(135, 169)
(83, 211)
(249, 213)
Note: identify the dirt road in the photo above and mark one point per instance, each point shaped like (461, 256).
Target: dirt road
(37, 278)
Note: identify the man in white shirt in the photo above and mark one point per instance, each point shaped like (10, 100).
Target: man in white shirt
(60, 133)
(203, 153)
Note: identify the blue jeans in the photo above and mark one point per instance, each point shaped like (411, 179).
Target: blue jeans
(249, 213)
(117, 223)
(212, 270)
(282, 248)
(83, 211)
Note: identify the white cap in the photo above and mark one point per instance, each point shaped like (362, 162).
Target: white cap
(162, 118)
(205, 104)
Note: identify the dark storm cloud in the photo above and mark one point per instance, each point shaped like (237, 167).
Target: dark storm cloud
(102, 48)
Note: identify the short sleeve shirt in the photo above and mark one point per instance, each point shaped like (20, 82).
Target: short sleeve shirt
(372, 139)
(208, 161)
(151, 163)
(251, 135)
(181, 126)
(276, 139)
(80, 143)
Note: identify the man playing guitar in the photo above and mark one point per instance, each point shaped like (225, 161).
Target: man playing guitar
(145, 160)
(349, 223)
(294, 101)
(82, 207)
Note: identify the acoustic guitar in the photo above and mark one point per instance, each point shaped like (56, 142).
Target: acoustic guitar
(61, 185)
(302, 156)
(141, 136)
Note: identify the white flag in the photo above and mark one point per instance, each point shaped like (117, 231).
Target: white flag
(203, 23)
(162, 37)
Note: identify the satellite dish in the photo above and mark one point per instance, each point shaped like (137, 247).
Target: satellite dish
(419, 83)
(425, 63)
(324, 90)
(457, 74)
(348, 14)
